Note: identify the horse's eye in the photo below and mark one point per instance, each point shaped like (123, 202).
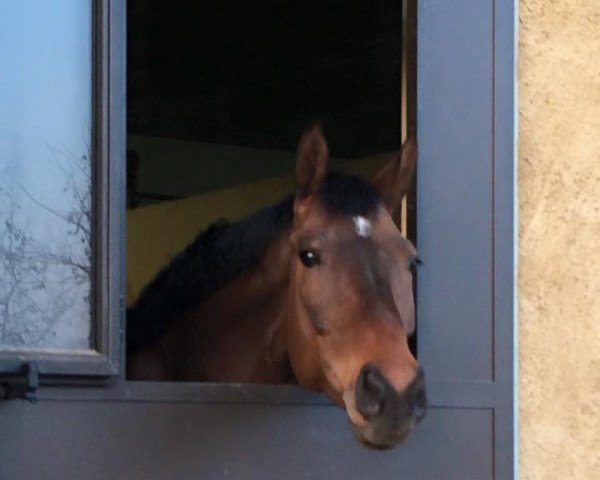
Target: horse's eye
(309, 258)
(414, 263)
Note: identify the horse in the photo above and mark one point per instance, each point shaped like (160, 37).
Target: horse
(315, 290)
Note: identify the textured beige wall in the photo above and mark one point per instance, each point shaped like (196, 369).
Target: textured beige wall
(559, 239)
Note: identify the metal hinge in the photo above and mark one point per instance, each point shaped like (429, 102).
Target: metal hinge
(23, 386)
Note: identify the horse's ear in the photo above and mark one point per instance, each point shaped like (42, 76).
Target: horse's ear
(312, 161)
(393, 180)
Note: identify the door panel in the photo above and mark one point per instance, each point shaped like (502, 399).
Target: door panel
(455, 189)
(132, 440)
(465, 203)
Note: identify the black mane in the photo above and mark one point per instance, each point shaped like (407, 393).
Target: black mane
(226, 250)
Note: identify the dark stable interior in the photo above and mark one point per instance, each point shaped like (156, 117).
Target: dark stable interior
(256, 74)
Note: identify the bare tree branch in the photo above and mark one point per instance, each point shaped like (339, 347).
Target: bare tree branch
(55, 213)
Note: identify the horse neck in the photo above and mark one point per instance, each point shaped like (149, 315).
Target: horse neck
(247, 316)
(267, 290)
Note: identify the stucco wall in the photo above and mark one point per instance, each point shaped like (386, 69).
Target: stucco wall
(559, 239)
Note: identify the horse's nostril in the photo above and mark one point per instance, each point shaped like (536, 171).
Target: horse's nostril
(374, 384)
(370, 392)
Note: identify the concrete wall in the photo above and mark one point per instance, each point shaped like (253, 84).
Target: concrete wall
(559, 239)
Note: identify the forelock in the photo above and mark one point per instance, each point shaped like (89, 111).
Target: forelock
(344, 194)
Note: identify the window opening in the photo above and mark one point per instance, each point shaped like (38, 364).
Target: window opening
(219, 95)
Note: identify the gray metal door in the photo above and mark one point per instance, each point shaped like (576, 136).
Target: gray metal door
(465, 229)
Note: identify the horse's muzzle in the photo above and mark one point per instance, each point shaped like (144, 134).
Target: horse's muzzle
(390, 415)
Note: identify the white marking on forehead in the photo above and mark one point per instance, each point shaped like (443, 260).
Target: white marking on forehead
(362, 226)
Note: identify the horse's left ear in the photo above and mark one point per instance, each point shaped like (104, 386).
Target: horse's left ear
(393, 180)
(312, 161)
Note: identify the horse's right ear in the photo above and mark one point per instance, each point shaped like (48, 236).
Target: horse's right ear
(394, 179)
(312, 161)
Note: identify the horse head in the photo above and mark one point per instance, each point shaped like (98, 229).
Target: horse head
(351, 307)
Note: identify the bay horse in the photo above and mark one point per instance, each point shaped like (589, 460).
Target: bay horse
(317, 289)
